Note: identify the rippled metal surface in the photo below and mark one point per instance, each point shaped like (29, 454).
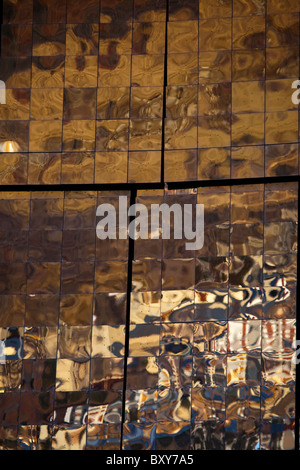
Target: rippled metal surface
(115, 91)
(129, 86)
(210, 361)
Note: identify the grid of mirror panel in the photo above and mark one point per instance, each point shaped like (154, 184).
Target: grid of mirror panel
(211, 332)
(138, 91)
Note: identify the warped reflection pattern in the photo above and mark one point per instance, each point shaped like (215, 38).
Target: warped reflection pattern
(194, 350)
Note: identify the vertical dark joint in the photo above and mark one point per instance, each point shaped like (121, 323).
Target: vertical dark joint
(297, 409)
(133, 195)
(164, 112)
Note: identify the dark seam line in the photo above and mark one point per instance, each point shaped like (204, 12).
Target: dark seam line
(129, 289)
(148, 186)
(297, 385)
(164, 110)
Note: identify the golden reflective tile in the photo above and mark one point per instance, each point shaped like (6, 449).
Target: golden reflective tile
(44, 168)
(43, 278)
(249, 7)
(182, 36)
(215, 66)
(17, 12)
(79, 211)
(213, 163)
(113, 103)
(80, 103)
(49, 11)
(278, 369)
(146, 102)
(182, 69)
(248, 97)
(77, 167)
(82, 39)
(48, 71)
(44, 245)
(247, 207)
(178, 273)
(14, 136)
(280, 236)
(244, 336)
(115, 38)
(144, 167)
(174, 407)
(46, 104)
(111, 276)
(145, 134)
(12, 310)
(210, 337)
(283, 6)
(17, 105)
(281, 127)
(220, 9)
(40, 342)
(181, 133)
(247, 239)
(45, 138)
(146, 275)
(16, 40)
(14, 210)
(13, 246)
(76, 309)
(138, 347)
(78, 245)
(248, 129)
(181, 10)
(71, 375)
(214, 98)
(243, 369)
(13, 168)
(111, 167)
(278, 336)
(180, 165)
(48, 40)
(281, 159)
(46, 212)
(278, 95)
(150, 10)
(74, 342)
(247, 162)
(78, 135)
(108, 341)
(148, 38)
(77, 277)
(246, 271)
(177, 306)
(81, 71)
(248, 65)
(181, 101)
(147, 70)
(282, 62)
(214, 131)
(248, 32)
(16, 71)
(215, 34)
(145, 307)
(282, 30)
(78, 13)
(114, 70)
(112, 135)
(281, 203)
(113, 11)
